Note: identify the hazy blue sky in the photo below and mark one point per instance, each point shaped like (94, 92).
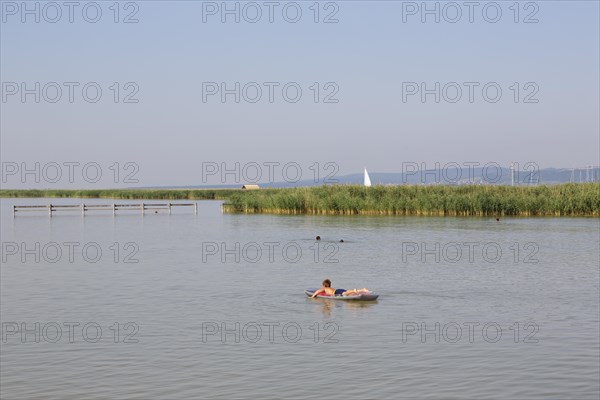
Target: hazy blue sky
(368, 56)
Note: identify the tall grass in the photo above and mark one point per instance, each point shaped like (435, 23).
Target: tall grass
(132, 194)
(555, 200)
(573, 199)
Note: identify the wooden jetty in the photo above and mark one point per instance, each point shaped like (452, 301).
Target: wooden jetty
(141, 207)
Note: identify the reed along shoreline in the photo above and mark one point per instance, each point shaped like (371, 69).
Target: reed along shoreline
(125, 194)
(570, 199)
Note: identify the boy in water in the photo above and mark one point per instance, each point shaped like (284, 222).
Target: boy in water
(327, 289)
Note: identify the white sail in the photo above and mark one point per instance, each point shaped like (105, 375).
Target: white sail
(367, 180)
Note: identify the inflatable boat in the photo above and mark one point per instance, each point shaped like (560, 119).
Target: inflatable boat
(371, 296)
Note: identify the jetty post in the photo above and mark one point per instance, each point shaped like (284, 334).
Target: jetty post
(51, 209)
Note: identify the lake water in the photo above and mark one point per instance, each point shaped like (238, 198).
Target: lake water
(214, 306)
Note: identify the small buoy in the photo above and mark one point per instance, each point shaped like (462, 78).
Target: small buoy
(341, 240)
(318, 238)
(497, 219)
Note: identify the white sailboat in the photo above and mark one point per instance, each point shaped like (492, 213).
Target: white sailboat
(367, 180)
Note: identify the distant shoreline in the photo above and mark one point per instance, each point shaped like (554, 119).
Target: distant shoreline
(572, 199)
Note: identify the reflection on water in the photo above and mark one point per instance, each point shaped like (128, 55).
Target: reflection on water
(327, 305)
(168, 321)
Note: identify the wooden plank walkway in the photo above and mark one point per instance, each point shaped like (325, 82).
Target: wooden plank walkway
(141, 207)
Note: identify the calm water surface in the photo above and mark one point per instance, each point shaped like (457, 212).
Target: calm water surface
(469, 307)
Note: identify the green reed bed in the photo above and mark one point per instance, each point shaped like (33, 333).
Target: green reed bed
(573, 199)
(130, 194)
(555, 200)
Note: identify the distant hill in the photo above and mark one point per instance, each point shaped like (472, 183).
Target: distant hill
(456, 176)
(450, 176)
